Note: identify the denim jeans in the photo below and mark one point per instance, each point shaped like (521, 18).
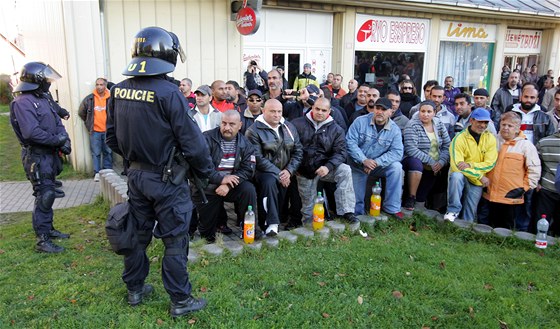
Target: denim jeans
(343, 195)
(98, 146)
(393, 188)
(460, 192)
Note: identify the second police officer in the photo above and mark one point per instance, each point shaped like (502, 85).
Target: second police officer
(147, 119)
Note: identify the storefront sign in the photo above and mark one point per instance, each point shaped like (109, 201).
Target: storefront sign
(380, 33)
(523, 42)
(247, 21)
(467, 32)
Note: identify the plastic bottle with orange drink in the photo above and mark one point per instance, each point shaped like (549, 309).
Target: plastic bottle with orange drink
(249, 226)
(375, 201)
(318, 213)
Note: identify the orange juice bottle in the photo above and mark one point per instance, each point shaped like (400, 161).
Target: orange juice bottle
(375, 201)
(249, 226)
(318, 213)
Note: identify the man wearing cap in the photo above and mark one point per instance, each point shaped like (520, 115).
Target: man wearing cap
(305, 78)
(473, 153)
(481, 97)
(324, 157)
(204, 114)
(255, 77)
(375, 148)
(253, 110)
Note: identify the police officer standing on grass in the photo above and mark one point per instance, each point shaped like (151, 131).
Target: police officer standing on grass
(146, 121)
(41, 134)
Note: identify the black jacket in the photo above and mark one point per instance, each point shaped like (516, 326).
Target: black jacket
(295, 109)
(86, 111)
(325, 146)
(245, 161)
(275, 154)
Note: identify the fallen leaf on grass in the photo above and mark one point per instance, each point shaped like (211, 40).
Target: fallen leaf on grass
(412, 227)
(341, 274)
(442, 264)
(322, 284)
(80, 247)
(471, 312)
(425, 327)
(360, 300)
(503, 325)
(1, 251)
(257, 316)
(407, 273)
(73, 301)
(203, 289)
(154, 259)
(344, 238)
(192, 321)
(397, 294)
(266, 294)
(159, 322)
(531, 286)
(316, 274)
(326, 315)
(488, 286)
(88, 257)
(434, 318)
(31, 297)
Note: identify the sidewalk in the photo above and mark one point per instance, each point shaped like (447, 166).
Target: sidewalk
(18, 196)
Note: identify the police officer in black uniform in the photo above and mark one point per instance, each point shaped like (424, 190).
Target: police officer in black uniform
(41, 134)
(147, 117)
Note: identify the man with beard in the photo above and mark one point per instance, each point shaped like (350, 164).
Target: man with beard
(236, 96)
(336, 87)
(535, 124)
(464, 109)
(359, 103)
(449, 94)
(372, 96)
(397, 115)
(274, 81)
(375, 148)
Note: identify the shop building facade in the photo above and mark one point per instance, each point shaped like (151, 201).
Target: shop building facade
(373, 41)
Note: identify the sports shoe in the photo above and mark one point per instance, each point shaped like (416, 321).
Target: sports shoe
(351, 218)
(450, 216)
(135, 297)
(184, 307)
(272, 230)
(96, 177)
(398, 215)
(409, 203)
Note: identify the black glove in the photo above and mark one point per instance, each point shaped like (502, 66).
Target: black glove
(62, 138)
(67, 147)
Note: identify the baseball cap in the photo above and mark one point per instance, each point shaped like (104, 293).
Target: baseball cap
(204, 89)
(313, 89)
(481, 114)
(384, 102)
(481, 92)
(254, 92)
(306, 65)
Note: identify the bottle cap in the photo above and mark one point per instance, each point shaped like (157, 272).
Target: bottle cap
(250, 208)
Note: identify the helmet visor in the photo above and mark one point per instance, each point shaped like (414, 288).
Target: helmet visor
(181, 53)
(50, 74)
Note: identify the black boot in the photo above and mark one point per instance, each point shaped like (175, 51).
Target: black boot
(57, 183)
(56, 234)
(44, 244)
(59, 193)
(187, 306)
(135, 297)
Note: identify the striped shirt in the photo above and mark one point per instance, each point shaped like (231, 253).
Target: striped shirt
(228, 158)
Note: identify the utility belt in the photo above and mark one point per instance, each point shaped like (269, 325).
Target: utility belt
(32, 164)
(40, 150)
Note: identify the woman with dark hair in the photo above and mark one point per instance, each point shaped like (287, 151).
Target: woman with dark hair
(426, 153)
(409, 96)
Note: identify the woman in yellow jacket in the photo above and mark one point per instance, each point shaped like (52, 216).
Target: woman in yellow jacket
(517, 172)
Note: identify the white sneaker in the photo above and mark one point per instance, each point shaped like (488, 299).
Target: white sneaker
(272, 230)
(450, 216)
(96, 178)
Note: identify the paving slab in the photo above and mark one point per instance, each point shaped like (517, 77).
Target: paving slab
(503, 232)
(482, 228)
(354, 227)
(525, 236)
(366, 219)
(287, 235)
(303, 232)
(257, 245)
(336, 227)
(234, 247)
(193, 256)
(272, 242)
(324, 233)
(462, 223)
(213, 249)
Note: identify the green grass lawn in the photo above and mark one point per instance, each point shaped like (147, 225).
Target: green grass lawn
(11, 168)
(432, 275)
(4, 108)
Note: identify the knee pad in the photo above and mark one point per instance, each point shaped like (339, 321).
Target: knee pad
(144, 238)
(176, 246)
(46, 200)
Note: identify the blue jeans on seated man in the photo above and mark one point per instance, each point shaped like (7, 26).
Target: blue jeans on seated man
(461, 194)
(98, 146)
(393, 187)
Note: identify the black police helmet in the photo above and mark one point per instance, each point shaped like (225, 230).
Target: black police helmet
(34, 75)
(154, 51)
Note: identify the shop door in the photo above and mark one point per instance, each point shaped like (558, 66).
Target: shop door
(291, 60)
